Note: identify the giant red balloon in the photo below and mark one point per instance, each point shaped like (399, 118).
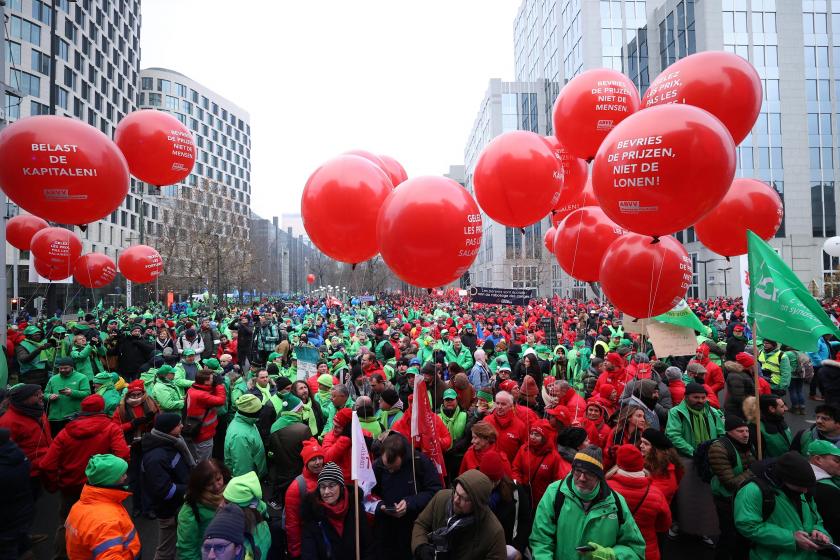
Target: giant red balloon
(21, 228)
(590, 106)
(159, 149)
(395, 171)
(645, 279)
(663, 169)
(95, 270)
(339, 206)
(429, 231)
(517, 179)
(748, 205)
(61, 169)
(582, 239)
(570, 201)
(56, 247)
(51, 271)
(548, 238)
(722, 83)
(140, 264)
(573, 170)
(374, 159)
(310, 278)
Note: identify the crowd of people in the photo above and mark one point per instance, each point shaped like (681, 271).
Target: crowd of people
(555, 433)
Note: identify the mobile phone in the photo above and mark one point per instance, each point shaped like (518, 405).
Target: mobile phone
(585, 548)
(389, 509)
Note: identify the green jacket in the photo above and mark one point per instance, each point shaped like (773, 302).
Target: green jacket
(463, 358)
(387, 418)
(551, 540)
(244, 449)
(86, 360)
(191, 530)
(455, 424)
(773, 539)
(111, 397)
(679, 427)
(65, 405)
(169, 397)
(372, 425)
(777, 443)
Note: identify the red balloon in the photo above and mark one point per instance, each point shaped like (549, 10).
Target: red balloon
(590, 106)
(573, 170)
(395, 171)
(645, 279)
(310, 278)
(663, 169)
(52, 271)
(56, 247)
(95, 270)
(722, 83)
(159, 149)
(374, 159)
(339, 206)
(581, 241)
(748, 205)
(429, 231)
(517, 179)
(569, 202)
(61, 169)
(548, 238)
(140, 264)
(21, 228)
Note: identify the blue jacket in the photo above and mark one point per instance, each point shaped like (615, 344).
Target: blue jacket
(165, 475)
(821, 353)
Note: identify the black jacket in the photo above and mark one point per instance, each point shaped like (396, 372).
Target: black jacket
(320, 540)
(17, 508)
(734, 346)
(515, 512)
(827, 497)
(133, 352)
(829, 377)
(165, 475)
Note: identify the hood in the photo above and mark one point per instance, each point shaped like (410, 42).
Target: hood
(734, 367)
(243, 489)
(630, 481)
(830, 363)
(478, 486)
(10, 454)
(85, 427)
(151, 441)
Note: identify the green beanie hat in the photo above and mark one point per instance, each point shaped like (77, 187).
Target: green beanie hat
(30, 330)
(325, 379)
(291, 403)
(212, 363)
(248, 404)
(188, 352)
(103, 378)
(164, 370)
(273, 356)
(105, 470)
(337, 356)
(244, 489)
(413, 370)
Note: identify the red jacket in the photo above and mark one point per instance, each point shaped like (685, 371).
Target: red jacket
(526, 414)
(232, 348)
(205, 398)
(293, 503)
(714, 376)
(337, 450)
(472, 460)
(598, 435)
(31, 435)
(88, 435)
(618, 379)
(512, 433)
(677, 390)
(575, 403)
(649, 508)
(123, 415)
(539, 468)
(667, 483)
(403, 426)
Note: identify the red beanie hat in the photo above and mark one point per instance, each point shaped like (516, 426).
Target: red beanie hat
(562, 413)
(492, 465)
(137, 385)
(615, 359)
(529, 386)
(543, 428)
(310, 450)
(342, 417)
(548, 381)
(93, 403)
(508, 385)
(629, 458)
(606, 390)
(745, 359)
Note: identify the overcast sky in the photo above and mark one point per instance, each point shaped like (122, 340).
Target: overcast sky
(399, 77)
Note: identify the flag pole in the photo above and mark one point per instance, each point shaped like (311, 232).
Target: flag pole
(356, 498)
(757, 393)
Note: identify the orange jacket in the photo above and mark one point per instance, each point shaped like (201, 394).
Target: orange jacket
(99, 528)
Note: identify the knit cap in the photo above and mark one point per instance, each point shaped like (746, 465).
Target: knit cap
(248, 404)
(331, 473)
(342, 417)
(485, 396)
(492, 465)
(291, 403)
(629, 458)
(166, 421)
(529, 386)
(227, 524)
(136, 386)
(325, 379)
(310, 450)
(93, 403)
(65, 361)
(244, 489)
(693, 388)
(572, 437)
(508, 385)
(794, 469)
(745, 359)
(589, 459)
(102, 378)
(673, 373)
(283, 383)
(390, 396)
(657, 439)
(733, 422)
(105, 470)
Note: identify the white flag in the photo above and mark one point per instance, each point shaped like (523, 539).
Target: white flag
(361, 468)
(415, 408)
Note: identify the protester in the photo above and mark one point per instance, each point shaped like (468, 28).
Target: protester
(203, 497)
(17, 511)
(224, 537)
(28, 427)
(64, 393)
(825, 462)
(538, 464)
(484, 438)
(303, 485)
(661, 461)
(202, 399)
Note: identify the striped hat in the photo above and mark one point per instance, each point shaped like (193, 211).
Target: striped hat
(589, 459)
(331, 473)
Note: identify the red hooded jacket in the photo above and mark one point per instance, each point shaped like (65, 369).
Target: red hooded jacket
(541, 465)
(31, 435)
(203, 399)
(512, 433)
(647, 504)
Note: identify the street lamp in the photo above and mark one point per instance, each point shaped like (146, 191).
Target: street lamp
(725, 284)
(705, 279)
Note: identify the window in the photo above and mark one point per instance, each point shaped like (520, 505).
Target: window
(12, 107)
(38, 108)
(26, 30)
(40, 62)
(61, 97)
(164, 85)
(27, 83)
(63, 50)
(41, 11)
(180, 90)
(13, 53)
(171, 103)
(147, 83)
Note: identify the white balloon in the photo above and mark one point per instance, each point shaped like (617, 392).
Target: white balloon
(832, 246)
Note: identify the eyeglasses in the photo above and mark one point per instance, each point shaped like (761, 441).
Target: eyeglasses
(217, 548)
(462, 497)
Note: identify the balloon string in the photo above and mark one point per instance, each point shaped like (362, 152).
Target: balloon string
(577, 242)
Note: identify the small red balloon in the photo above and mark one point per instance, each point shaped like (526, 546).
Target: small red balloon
(395, 171)
(61, 169)
(569, 202)
(94, 270)
(52, 271)
(548, 238)
(722, 83)
(21, 228)
(56, 247)
(339, 207)
(581, 241)
(664, 168)
(429, 231)
(159, 149)
(310, 278)
(590, 106)
(645, 279)
(748, 205)
(517, 179)
(140, 264)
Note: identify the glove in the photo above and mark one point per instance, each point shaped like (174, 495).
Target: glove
(601, 552)
(424, 552)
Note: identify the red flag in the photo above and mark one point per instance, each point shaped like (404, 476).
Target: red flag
(423, 431)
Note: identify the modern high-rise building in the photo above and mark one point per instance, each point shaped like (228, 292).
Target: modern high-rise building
(90, 74)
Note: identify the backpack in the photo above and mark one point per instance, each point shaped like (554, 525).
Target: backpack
(301, 483)
(806, 366)
(701, 458)
(560, 499)
(768, 495)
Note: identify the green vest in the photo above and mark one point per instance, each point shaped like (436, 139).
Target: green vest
(456, 424)
(776, 444)
(38, 363)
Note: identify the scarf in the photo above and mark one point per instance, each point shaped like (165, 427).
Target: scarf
(35, 411)
(587, 497)
(335, 513)
(264, 391)
(699, 428)
(505, 421)
(211, 499)
(178, 442)
(309, 416)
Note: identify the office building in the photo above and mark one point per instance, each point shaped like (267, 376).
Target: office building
(93, 72)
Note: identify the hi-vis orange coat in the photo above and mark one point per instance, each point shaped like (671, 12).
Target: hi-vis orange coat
(99, 527)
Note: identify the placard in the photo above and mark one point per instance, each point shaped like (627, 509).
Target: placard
(671, 340)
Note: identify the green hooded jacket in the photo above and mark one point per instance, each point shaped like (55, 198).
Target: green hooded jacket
(679, 429)
(191, 531)
(65, 405)
(244, 449)
(168, 396)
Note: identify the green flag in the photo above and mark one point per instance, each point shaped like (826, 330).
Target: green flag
(682, 316)
(99, 305)
(780, 306)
